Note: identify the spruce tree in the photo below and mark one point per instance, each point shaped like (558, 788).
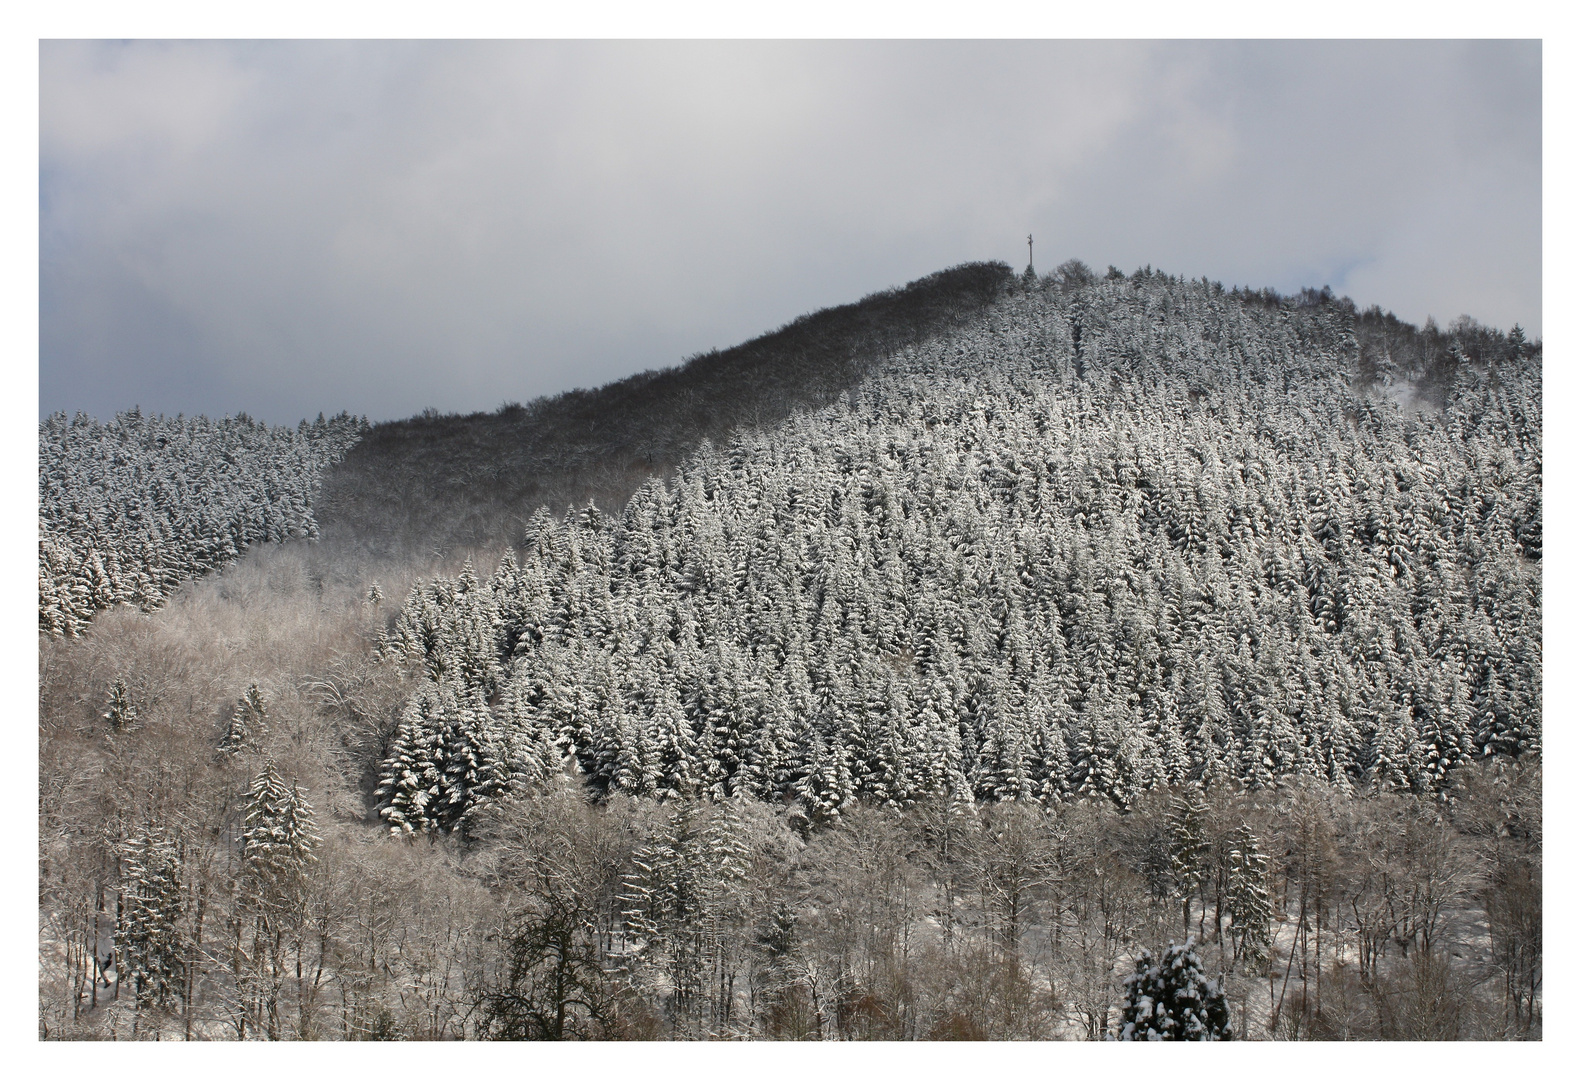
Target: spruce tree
(1171, 999)
(1188, 848)
(411, 780)
(279, 840)
(149, 942)
(1250, 909)
(120, 707)
(247, 721)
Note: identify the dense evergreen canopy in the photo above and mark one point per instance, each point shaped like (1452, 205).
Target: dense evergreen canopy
(1114, 534)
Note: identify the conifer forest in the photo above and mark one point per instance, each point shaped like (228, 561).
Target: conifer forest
(1080, 656)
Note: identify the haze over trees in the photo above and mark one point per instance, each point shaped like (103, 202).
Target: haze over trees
(130, 509)
(916, 671)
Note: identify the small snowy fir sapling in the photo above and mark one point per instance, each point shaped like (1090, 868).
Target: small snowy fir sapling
(120, 707)
(248, 720)
(1172, 1000)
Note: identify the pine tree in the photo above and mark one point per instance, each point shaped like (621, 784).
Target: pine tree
(1251, 912)
(675, 742)
(149, 941)
(1095, 758)
(1173, 1000)
(120, 708)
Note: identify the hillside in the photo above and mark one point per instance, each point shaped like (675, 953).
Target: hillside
(904, 673)
(439, 482)
(1137, 534)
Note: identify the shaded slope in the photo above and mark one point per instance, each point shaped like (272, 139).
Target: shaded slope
(433, 483)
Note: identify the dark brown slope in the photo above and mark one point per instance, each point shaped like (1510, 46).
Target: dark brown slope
(435, 484)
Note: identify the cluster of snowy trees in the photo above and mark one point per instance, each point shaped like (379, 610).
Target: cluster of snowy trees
(206, 923)
(1117, 534)
(1315, 915)
(130, 509)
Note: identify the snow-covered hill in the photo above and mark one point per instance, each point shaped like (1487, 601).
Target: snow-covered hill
(1106, 535)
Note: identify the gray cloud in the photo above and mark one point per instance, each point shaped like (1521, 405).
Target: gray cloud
(288, 227)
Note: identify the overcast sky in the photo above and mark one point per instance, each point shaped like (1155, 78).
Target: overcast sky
(289, 228)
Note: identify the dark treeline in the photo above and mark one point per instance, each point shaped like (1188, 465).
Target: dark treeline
(448, 481)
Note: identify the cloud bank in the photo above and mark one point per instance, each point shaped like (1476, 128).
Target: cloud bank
(289, 227)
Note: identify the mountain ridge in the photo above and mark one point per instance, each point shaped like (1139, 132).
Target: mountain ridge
(441, 481)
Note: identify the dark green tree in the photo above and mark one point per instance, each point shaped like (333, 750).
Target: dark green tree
(1172, 1000)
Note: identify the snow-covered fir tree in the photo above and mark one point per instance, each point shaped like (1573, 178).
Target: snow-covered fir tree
(278, 841)
(150, 948)
(1251, 912)
(120, 707)
(684, 892)
(248, 720)
(1171, 999)
(1188, 848)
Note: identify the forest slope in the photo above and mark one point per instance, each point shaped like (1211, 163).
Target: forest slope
(130, 509)
(1131, 534)
(438, 482)
(1090, 613)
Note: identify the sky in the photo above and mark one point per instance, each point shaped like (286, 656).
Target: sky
(285, 228)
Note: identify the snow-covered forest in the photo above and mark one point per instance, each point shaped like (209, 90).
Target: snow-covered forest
(1054, 621)
(1143, 534)
(130, 509)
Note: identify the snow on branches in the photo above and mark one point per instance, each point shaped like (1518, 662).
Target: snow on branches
(1204, 548)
